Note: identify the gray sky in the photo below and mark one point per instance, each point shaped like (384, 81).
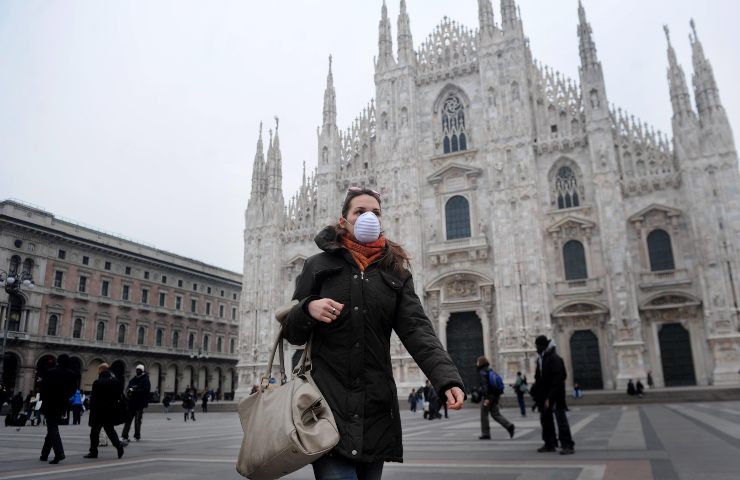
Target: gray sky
(141, 117)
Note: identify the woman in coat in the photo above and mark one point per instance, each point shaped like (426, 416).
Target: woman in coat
(104, 410)
(350, 298)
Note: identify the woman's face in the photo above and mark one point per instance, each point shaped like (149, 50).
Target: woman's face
(357, 206)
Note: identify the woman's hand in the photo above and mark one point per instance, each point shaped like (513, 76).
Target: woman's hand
(455, 398)
(325, 310)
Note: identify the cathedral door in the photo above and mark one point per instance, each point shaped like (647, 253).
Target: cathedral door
(586, 361)
(465, 345)
(675, 354)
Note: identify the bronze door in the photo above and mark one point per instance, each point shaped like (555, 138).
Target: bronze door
(675, 354)
(465, 345)
(586, 361)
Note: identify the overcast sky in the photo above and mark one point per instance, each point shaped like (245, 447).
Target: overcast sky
(141, 117)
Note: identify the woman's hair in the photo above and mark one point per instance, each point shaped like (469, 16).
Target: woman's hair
(395, 257)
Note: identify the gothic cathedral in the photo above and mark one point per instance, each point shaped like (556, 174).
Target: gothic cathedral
(529, 205)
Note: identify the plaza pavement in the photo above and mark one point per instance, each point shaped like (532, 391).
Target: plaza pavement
(686, 441)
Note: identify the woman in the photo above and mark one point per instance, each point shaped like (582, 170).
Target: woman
(350, 297)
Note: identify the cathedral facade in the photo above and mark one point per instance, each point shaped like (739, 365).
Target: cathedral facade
(529, 206)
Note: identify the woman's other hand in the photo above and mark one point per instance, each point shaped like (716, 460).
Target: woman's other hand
(325, 310)
(455, 398)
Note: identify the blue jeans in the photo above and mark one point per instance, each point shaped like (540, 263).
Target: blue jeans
(336, 467)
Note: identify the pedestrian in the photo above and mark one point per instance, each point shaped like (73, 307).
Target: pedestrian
(204, 403)
(631, 388)
(188, 405)
(106, 393)
(492, 387)
(549, 394)
(138, 392)
(352, 296)
(28, 404)
(650, 380)
(432, 402)
(16, 405)
(57, 385)
(639, 388)
(520, 388)
(76, 401)
(577, 391)
(412, 400)
(166, 405)
(37, 403)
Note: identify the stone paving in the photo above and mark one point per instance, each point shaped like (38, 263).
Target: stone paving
(638, 442)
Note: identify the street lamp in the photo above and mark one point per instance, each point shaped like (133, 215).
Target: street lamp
(12, 282)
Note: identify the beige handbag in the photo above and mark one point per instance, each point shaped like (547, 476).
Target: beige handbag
(286, 427)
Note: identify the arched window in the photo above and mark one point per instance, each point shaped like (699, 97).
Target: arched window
(28, 266)
(206, 341)
(140, 336)
(191, 341)
(566, 188)
(660, 251)
(15, 262)
(77, 329)
(453, 125)
(175, 339)
(100, 332)
(121, 333)
(219, 345)
(51, 328)
(158, 338)
(574, 259)
(232, 345)
(457, 215)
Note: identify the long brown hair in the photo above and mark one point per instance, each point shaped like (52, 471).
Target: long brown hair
(395, 257)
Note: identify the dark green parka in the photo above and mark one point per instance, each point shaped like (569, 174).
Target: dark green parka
(351, 356)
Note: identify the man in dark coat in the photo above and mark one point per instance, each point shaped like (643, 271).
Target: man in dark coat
(549, 395)
(57, 385)
(138, 392)
(351, 353)
(106, 393)
(490, 401)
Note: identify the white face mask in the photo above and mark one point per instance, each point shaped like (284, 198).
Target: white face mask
(367, 228)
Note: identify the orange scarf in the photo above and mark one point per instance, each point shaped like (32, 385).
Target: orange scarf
(364, 254)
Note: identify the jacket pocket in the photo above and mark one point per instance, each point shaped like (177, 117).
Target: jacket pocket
(392, 281)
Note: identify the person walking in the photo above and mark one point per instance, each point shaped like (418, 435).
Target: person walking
(138, 391)
(351, 297)
(106, 393)
(76, 401)
(16, 405)
(549, 394)
(520, 388)
(188, 405)
(650, 382)
(166, 401)
(57, 385)
(412, 400)
(204, 402)
(492, 387)
(36, 404)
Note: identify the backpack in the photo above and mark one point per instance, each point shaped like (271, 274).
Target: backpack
(496, 382)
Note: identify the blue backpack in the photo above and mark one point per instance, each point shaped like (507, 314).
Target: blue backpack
(496, 382)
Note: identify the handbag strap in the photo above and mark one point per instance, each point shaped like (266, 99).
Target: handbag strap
(277, 346)
(304, 364)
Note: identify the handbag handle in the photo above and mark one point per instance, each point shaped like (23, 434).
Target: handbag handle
(304, 364)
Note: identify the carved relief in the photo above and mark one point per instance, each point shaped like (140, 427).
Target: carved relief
(461, 289)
